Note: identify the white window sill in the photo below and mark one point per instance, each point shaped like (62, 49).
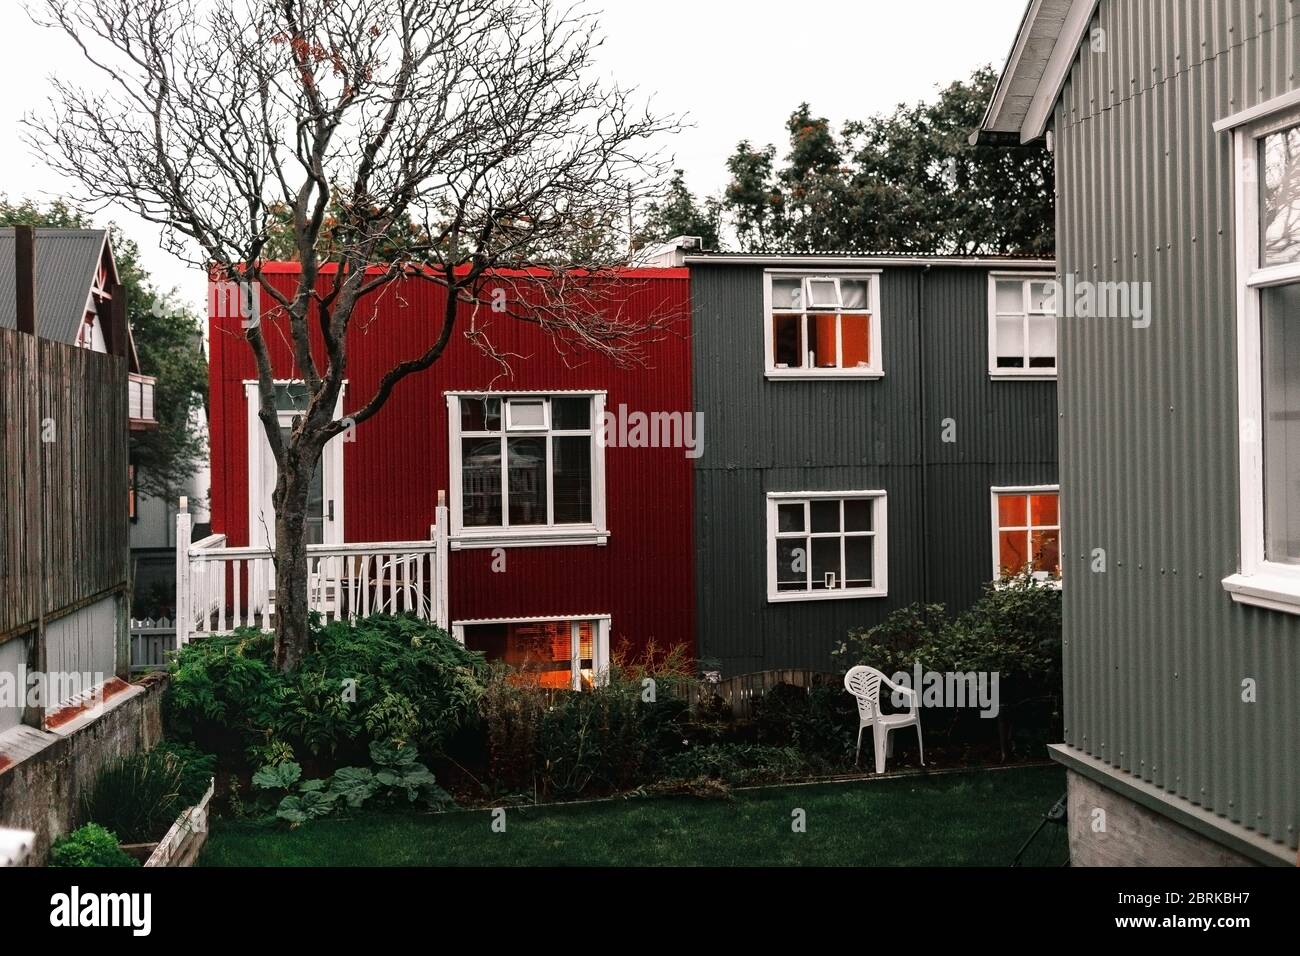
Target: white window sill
(813, 374)
(1277, 592)
(1041, 582)
(527, 538)
(1004, 376)
(839, 594)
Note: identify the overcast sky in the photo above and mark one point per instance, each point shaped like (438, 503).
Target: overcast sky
(737, 67)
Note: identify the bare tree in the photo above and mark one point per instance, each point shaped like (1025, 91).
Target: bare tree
(383, 140)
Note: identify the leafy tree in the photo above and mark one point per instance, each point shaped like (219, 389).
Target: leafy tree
(681, 214)
(907, 181)
(167, 340)
(480, 120)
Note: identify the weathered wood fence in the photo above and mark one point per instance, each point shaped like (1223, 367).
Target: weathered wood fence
(63, 479)
(741, 692)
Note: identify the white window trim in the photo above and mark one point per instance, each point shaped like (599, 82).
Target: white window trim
(879, 554)
(1258, 581)
(600, 650)
(530, 536)
(877, 368)
(1018, 374)
(258, 447)
(999, 490)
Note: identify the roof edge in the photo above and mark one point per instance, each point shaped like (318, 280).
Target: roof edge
(816, 259)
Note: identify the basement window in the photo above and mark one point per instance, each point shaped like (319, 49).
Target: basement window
(822, 326)
(1267, 191)
(1022, 326)
(526, 469)
(826, 545)
(560, 653)
(1027, 532)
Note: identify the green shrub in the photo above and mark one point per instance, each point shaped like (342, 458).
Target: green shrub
(736, 764)
(197, 769)
(91, 845)
(820, 722)
(137, 797)
(382, 678)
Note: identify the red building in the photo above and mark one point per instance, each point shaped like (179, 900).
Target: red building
(578, 548)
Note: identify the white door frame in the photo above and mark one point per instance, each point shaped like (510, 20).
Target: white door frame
(262, 469)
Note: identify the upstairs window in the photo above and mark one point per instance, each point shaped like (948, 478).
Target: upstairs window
(527, 468)
(1267, 190)
(1022, 326)
(1027, 532)
(823, 325)
(826, 545)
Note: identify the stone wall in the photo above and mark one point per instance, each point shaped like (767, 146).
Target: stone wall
(40, 789)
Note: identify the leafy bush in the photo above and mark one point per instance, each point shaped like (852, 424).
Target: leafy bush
(551, 744)
(819, 722)
(736, 764)
(90, 845)
(197, 769)
(382, 678)
(398, 775)
(137, 797)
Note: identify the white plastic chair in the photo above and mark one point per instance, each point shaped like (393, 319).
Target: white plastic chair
(864, 684)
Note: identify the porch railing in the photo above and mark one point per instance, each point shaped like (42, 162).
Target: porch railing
(220, 589)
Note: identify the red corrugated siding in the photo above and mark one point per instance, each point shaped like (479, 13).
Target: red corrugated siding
(643, 577)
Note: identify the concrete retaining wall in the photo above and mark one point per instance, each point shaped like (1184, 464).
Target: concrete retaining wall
(47, 773)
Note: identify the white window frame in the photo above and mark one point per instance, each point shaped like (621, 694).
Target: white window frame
(879, 554)
(876, 369)
(600, 640)
(997, 492)
(1025, 374)
(594, 532)
(1258, 581)
(261, 463)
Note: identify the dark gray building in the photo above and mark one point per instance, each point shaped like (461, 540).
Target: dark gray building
(880, 430)
(1176, 131)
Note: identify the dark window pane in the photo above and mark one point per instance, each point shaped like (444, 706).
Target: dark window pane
(787, 349)
(826, 564)
(527, 480)
(825, 515)
(792, 565)
(315, 500)
(570, 414)
(480, 480)
(857, 562)
(857, 515)
(1280, 346)
(292, 397)
(789, 517)
(572, 479)
(480, 414)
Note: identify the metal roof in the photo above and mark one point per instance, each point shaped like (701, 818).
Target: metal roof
(66, 261)
(847, 257)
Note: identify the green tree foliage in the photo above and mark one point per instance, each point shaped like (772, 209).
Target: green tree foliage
(167, 340)
(679, 213)
(907, 181)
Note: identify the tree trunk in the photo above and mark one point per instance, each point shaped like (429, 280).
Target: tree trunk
(291, 604)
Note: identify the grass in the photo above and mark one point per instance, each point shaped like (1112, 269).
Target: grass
(967, 819)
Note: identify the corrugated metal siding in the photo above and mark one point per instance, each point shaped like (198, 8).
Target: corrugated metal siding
(767, 436)
(1155, 649)
(393, 471)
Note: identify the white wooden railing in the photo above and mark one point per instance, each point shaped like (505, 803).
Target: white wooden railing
(220, 588)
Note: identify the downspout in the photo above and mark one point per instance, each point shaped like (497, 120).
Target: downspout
(925, 434)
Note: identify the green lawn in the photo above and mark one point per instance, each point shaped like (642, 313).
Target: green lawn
(968, 819)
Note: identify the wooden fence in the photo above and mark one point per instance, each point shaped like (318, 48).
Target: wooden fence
(63, 479)
(151, 641)
(741, 692)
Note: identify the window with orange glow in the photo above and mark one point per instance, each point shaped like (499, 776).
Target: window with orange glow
(553, 654)
(1029, 533)
(821, 324)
